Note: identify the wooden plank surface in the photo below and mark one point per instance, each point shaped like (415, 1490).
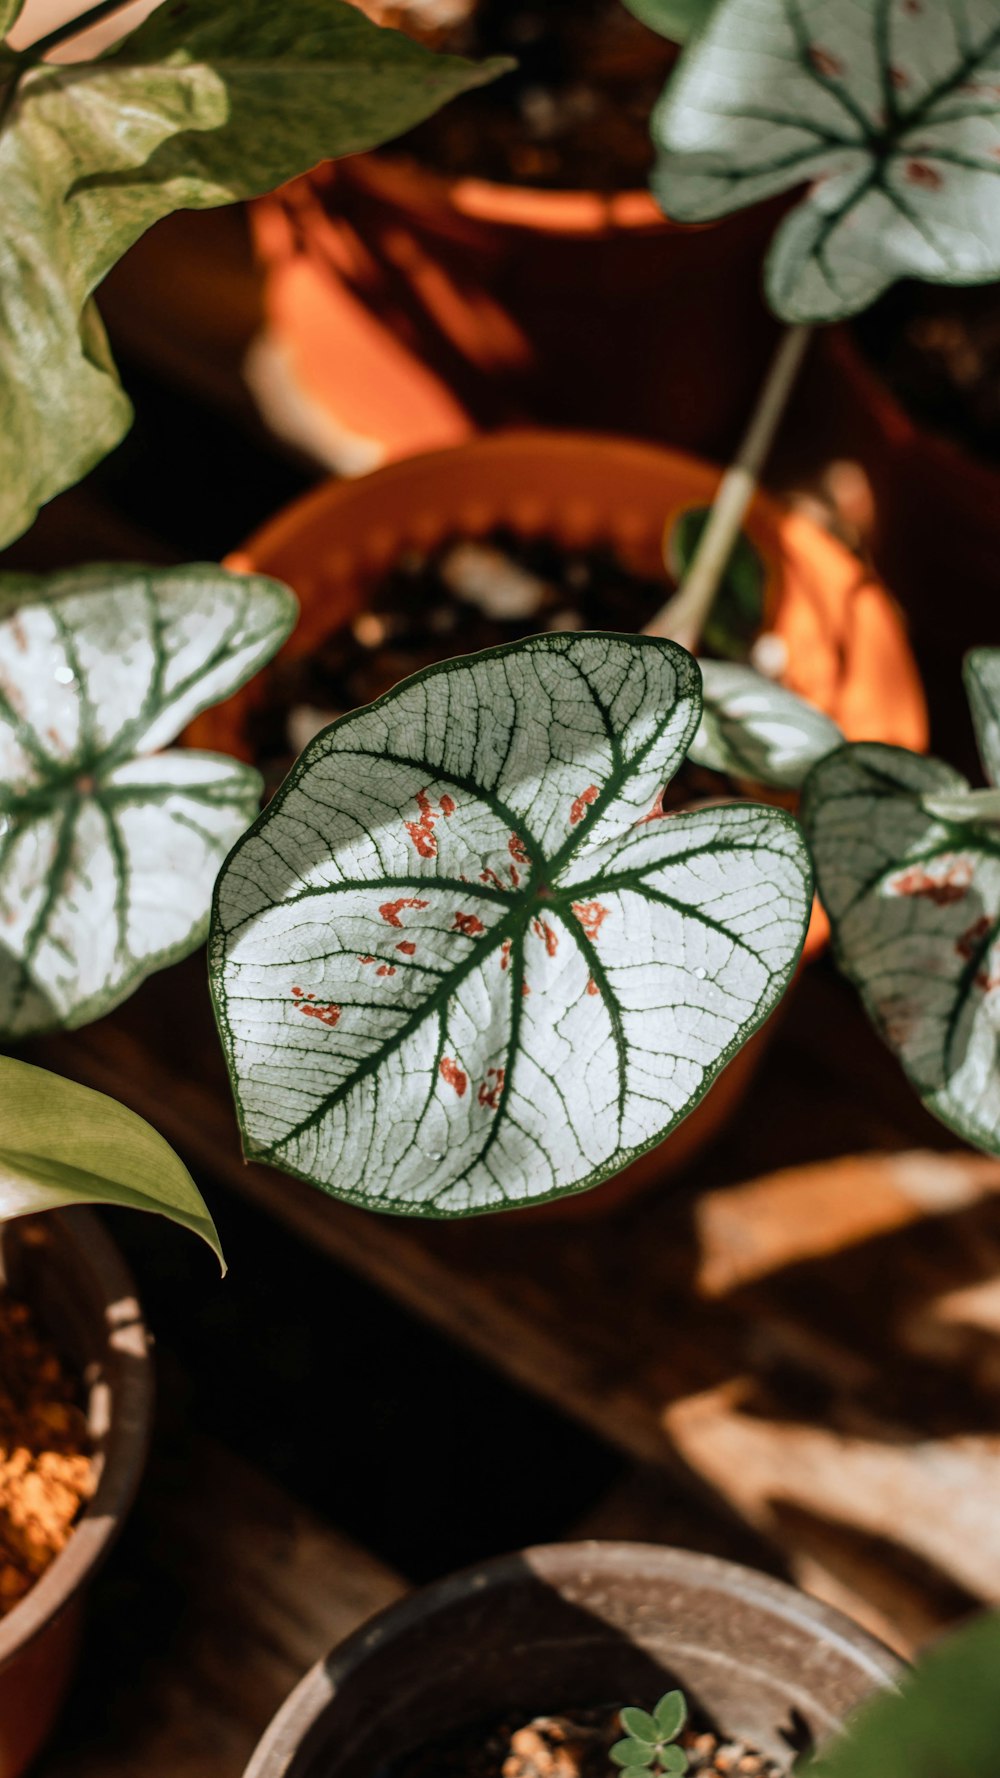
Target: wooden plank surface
(222, 1597)
(814, 1345)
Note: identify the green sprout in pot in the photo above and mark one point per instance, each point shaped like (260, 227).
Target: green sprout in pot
(650, 1749)
(907, 858)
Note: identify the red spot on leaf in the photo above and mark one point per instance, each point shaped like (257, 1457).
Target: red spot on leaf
(453, 1074)
(422, 832)
(950, 886)
(515, 876)
(327, 1013)
(469, 925)
(825, 62)
(591, 916)
(505, 950)
(515, 846)
(390, 910)
(297, 992)
(386, 969)
(490, 876)
(490, 1094)
(592, 987)
(525, 990)
(366, 959)
(899, 78)
(582, 803)
(447, 805)
(656, 813)
(407, 947)
(969, 943)
(543, 930)
(920, 173)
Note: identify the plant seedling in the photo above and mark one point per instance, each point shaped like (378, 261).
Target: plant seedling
(463, 962)
(651, 1743)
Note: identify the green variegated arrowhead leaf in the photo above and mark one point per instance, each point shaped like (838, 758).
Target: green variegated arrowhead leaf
(752, 728)
(671, 1714)
(914, 903)
(942, 1720)
(109, 848)
(207, 102)
(982, 685)
(676, 20)
(889, 111)
(61, 1143)
(463, 961)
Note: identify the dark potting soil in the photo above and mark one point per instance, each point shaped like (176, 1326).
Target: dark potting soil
(46, 1468)
(574, 115)
(939, 351)
(456, 599)
(572, 1744)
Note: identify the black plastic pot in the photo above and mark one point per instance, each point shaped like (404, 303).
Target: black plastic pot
(578, 1624)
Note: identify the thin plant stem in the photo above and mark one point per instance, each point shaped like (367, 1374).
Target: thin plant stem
(683, 618)
(74, 27)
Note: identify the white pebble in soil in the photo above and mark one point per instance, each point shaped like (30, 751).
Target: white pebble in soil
(486, 578)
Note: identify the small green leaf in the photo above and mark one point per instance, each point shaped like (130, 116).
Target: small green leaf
(914, 903)
(633, 1755)
(982, 685)
(108, 847)
(462, 963)
(61, 1143)
(737, 615)
(640, 1725)
(207, 102)
(635, 1771)
(675, 19)
(886, 114)
(754, 729)
(942, 1720)
(671, 1714)
(674, 1759)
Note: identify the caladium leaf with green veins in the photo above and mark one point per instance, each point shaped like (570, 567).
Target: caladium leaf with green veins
(61, 1143)
(888, 111)
(754, 729)
(914, 903)
(982, 685)
(207, 102)
(463, 961)
(108, 847)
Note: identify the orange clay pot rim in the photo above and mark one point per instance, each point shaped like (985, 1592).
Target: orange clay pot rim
(546, 209)
(899, 425)
(80, 1234)
(286, 525)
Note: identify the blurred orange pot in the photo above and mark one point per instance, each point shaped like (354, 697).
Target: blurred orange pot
(845, 642)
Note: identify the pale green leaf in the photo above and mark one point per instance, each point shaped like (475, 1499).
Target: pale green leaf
(752, 728)
(674, 1759)
(640, 1726)
(632, 1755)
(887, 111)
(676, 20)
(982, 685)
(207, 102)
(914, 903)
(671, 1714)
(61, 1143)
(463, 962)
(941, 1721)
(108, 848)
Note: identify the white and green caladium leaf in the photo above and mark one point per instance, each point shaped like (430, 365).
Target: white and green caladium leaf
(982, 686)
(463, 961)
(108, 847)
(61, 1143)
(752, 728)
(207, 102)
(914, 903)
(889, 110)
(676, 20)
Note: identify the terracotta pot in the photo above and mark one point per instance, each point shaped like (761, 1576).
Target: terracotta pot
(70, 1273)
(407, 310)
(846, 645)
(937, 524)
(574, 1625)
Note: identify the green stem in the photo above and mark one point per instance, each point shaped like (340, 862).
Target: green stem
(684, 616)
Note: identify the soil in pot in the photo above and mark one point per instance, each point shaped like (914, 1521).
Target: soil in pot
(461, 597)
(573, 1743)
(573, 115)
(938, 349)
(47, 1472)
